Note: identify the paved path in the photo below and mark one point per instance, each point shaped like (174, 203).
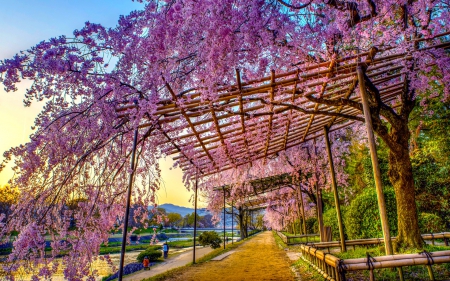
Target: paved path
(169, 264)
(257, 259)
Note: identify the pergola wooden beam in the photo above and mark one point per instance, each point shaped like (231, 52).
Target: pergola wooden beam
(258, 118)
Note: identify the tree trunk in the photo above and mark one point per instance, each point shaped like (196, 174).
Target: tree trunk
(396, 136)
(401, 177)
(241, 222)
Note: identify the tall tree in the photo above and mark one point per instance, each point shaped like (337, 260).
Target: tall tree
(196, 44)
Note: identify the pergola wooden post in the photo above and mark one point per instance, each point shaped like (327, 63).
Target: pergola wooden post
(335, 190)
(319, 213)
(224, 218)
(232, 222)
(375, 165)
(195, 215)
(127, 210)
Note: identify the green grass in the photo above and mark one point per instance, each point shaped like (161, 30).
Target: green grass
(307, 273)
(169, 230)
(129, 248)
(181, 244)
(301, 240)
(278, 240)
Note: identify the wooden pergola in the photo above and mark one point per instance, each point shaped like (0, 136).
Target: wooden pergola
(289, 107)
(251, 120)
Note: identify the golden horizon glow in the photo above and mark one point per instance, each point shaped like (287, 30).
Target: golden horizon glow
(15, 125)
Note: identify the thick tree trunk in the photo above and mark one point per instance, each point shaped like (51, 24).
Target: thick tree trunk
(401, 177)
(396, 136)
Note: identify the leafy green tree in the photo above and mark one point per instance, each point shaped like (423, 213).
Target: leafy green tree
(430, 157)
(173, 219)
(189, 219)
(210, 238)
(8, 197)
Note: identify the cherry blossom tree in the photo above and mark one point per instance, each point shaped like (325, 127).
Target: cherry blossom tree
(81, 146)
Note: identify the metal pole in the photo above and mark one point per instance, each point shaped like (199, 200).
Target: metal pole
(335, 190)
(127, 211)
(195, 214)
(232, 223)
(224, 217)
(375, 165)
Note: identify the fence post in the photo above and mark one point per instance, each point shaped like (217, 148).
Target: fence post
(400, 273)
(430, 272)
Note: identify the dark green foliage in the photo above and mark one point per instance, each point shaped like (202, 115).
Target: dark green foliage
(430, 223)
(359, 168)
(430, 157)
(153, 253)
(330, 219)
(210, 238)
(311, 225)
(362, 217)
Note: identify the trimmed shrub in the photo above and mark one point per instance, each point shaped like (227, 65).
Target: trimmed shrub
(362, 217)
(430, 223)
(153, 253)
(210, 238)
(330, 219)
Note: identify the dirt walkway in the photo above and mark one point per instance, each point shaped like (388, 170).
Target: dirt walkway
(169, 264)
(257, 259)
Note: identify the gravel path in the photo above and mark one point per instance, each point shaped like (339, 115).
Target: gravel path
(257, 259)
(169, 264)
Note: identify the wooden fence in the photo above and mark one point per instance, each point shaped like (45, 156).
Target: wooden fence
(297, 239)
(335, 269)
(445, 236)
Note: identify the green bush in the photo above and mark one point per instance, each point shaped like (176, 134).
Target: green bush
(430, 223)
(311, 225)
(362, 217)
(330, 219)
(210, 238)
(153, 253)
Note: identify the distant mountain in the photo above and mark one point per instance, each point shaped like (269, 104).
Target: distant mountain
(171, 208)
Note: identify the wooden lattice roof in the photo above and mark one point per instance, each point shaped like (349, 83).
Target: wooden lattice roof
(255, 199)
(282, 110)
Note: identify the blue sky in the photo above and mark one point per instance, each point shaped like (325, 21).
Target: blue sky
(24, 23)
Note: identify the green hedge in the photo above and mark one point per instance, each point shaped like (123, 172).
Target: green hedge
(210, 238)
(330, 219)
(153, 253)
(362, 217)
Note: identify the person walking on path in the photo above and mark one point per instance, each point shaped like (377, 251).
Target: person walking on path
(166, 250)
(146, 263)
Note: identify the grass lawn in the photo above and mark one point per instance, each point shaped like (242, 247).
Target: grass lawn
(181, 244)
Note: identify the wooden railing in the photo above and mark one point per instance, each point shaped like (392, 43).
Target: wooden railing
(326, 264)
(283, 237)
(291, 240)
(445, 236)
(335, 269)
